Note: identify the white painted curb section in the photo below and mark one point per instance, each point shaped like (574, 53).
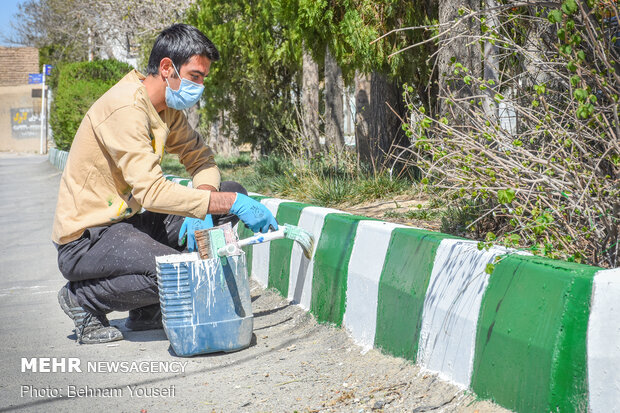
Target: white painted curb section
(604, 342)
(365, 266)
(260, 252)
(179, 180)
(451, 309)
(300, 279)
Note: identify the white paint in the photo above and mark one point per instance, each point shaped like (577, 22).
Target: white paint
(451, 308)
(367, 257)
(205, 271)
(604, 342)
(300, 279)
(260, 252)
(177, 258)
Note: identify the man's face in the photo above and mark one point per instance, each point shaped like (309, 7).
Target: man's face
(195, 70)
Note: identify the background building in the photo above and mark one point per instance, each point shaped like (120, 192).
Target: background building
(20, 102)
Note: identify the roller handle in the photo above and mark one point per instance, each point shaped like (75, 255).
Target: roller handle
(231, 249)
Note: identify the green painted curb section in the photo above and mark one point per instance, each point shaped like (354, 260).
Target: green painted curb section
(280, 251)
(531, 339)
(404, 280)
(331, 264)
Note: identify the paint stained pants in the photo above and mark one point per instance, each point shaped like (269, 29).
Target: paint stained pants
(112, 268)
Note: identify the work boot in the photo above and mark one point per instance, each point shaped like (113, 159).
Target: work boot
(89, 328)
(144, 318)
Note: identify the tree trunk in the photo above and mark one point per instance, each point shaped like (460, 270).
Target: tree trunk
(459, 46)
(538, 41)
(310, 103)
(491, 65)
(221, 134)
(334, 112)
(193, 116)
(378, 129)
(362, 116)
(91, 53)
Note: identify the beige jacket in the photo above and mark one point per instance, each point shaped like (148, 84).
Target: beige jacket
(113, 168)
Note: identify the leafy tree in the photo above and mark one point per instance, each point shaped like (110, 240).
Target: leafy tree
(74, 30)
(257, 79)
(348, 30)
(76, 87)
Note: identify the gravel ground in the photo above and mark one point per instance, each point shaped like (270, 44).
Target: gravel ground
(297, 364)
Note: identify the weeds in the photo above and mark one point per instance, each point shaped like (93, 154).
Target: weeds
(233, 162)
(319, 181)
(331, 191)
(431, 213)
(381, 186)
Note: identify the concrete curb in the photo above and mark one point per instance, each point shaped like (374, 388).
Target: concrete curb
(535, 335)
(58, 158)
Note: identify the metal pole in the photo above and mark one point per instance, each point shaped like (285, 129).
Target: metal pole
(43, 128)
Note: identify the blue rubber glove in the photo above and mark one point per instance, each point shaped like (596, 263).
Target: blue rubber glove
(253, 214)
(189, 226)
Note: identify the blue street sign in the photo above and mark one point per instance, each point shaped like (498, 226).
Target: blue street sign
(47, 69)
(34, 78)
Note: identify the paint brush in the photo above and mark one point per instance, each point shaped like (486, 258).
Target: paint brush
(292, 232)
(209, 241)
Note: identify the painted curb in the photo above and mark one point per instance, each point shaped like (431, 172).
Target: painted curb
(58, 158)
(536, 335)
(604, 342)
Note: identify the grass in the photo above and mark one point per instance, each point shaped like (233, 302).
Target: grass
(317, 182)
(171, 165)
(420, 214)
(340, 186)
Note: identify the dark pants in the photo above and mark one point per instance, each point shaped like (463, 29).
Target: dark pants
(112, 268)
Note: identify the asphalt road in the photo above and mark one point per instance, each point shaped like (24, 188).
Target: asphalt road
(293, 364)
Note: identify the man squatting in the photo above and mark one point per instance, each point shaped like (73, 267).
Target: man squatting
(106, 248)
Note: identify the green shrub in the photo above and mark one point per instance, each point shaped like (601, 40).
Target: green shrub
(76, 87)
(380, 186)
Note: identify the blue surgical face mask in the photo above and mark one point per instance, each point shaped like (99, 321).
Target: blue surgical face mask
(187, 96)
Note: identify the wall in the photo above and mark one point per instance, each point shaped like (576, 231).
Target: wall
(20, 124)
(16, 63)
(20, 129)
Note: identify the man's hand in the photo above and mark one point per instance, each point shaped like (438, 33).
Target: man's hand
(189, 226)
(253, 214)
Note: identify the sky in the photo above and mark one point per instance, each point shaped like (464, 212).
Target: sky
(9, 8)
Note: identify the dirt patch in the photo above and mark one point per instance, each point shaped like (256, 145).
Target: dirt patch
(402, 209)
(296, 364)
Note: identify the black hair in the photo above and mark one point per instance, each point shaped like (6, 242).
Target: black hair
(180, 42)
